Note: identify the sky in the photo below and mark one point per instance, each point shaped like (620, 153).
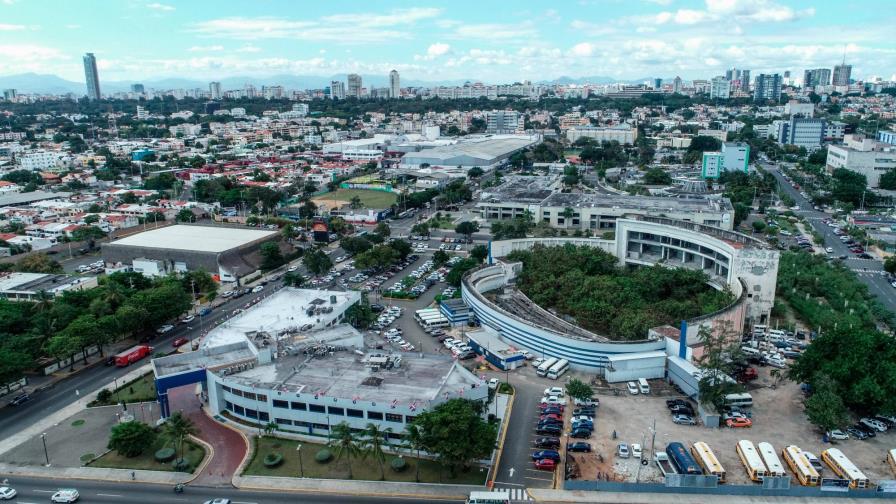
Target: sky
(488, 40)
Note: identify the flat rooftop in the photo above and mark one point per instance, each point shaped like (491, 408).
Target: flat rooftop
(30, 197)
(654, 203)
(204, 358)
(487, 148)
(34, 282)
(194, 238)
(522, 189)
(488, 338)
(345, 374)
(283, 311)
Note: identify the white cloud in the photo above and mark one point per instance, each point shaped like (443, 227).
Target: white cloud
(437, 49)
(11, 27)
(689, 17)
(659, 2)
(160, 6)
(73, 26)
(209, 48)
(582, 49)
(249, 48)
(395, 18)
(496, 31)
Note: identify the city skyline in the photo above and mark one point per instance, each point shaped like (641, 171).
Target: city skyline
(660, 38)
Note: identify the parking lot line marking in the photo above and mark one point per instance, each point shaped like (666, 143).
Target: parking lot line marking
(539, 479)
(508, 483)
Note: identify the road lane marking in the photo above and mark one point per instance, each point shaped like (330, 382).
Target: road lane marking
(108, 495)
(46, 491)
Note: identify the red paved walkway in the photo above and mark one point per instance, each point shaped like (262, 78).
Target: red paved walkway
(230, 447)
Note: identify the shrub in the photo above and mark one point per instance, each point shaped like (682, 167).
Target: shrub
(104, 395)
(398, 464)
(323, 456)
(273, 459)
(165, 455)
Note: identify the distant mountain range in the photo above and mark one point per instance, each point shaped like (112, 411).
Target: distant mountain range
(53, 84)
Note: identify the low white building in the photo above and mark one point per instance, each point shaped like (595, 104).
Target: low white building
(623, 133)
(40, 160)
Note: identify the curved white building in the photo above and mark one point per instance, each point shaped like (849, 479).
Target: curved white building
(746, 266)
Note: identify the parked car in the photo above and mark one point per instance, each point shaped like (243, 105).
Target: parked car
(259, 288)
(179, 342)
(188, 319)
(549, 430)
(553, 391)
(739, 423)
(545, 465)
(867, 430)
(547, 442)
(670, 403)
(579, 446)
(636, 450)
(589, 412)
(838, 434)
(622, 450)
(683, 420)
(632, 388)
(856, 433)
(682, 410)
(165, 328)
(874, 424)
(581, 433)
(546, 454)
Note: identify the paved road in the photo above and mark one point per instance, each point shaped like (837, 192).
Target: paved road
(868, 271)
(34, 490)
(42, 404)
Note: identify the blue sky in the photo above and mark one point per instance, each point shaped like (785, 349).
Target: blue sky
(493, 41)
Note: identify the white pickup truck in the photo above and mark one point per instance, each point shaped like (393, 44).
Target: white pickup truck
(663, 462)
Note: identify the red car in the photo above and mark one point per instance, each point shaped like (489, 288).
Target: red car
(551, 417)
(739, 423)
(179, 341)
(545, 464)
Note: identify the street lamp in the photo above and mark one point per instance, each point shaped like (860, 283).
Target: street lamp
(43, 437)
(301, 467)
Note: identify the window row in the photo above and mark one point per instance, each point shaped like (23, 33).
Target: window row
(248, 395)
(338, 411)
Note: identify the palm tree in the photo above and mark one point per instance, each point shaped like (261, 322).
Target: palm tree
(178, 428)
(374, 440)
(413, 440)
(342, 439)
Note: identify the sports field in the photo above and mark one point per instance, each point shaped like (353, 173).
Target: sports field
(370, 199)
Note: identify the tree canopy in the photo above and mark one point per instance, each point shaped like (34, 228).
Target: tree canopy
(456, 433)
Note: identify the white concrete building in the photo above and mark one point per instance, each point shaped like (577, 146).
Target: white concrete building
(862, 155)
(623, 133)
(40, 160)
(720, 88)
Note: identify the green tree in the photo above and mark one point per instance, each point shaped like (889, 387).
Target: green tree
(458, 270)
(178, 428)
(131, 438)
(890, 264)
(317, 262)
(373, 441)
(825, 408)
(456, 433)
(888, 180)
(413, 440)
(467, 228)
(185, 215)
(38, 263)
(440, 257)
(382, 229)
(479, 252)
(62, 346)
(378, 258)
(475, 172)
(657, 176)
(271, 257)
(719, 359)
(577, 389)
(355, 245)
(343, 441)
(293, 279)
(355, 203)
(421, 229)
(759, 226)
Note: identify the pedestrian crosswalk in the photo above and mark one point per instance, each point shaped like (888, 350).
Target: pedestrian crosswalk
(517, 494)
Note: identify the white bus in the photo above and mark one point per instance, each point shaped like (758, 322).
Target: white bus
(558, 369)
(799, 464)
(751, 460)
(704, 456)
(771, 460)
(493, 497)
(545, 366)
(845, 468)
(744, 400)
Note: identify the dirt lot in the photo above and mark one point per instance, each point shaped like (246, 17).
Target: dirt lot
(778, 418)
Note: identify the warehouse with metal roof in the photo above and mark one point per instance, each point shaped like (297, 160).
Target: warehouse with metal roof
(484, 152)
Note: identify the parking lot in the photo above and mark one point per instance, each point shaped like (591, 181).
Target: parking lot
(777, 416)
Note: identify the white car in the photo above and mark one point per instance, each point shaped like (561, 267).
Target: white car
(829, 250)
(537, 362)
(632, 388)
(188, 319)
(551, 400)
(259, 288)
(873, 424)
(165, 328)
(292, 268)
(7, 493)
(636, 450)
(838, 434)
(65, 495)
(555, 391)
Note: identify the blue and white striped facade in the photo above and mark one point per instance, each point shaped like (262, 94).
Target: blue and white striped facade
(745, 265)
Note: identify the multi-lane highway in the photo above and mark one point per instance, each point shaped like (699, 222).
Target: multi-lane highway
(869, 271)
(37, 490)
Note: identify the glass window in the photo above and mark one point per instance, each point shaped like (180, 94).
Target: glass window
(283, 421)
(281, 404)
(392, 417)
(228, 405)
(317, 408)
(355, 413)
(320, 426)
(226, 388)
(249, 395)
(237, 392)
(298, 406)
(251, 413)
(409, 418)
(263, 416)
(374, 415)
(262, 397)
(335, 411)
(238, 409)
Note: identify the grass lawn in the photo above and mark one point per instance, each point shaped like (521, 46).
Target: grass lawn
(445, 222)
(146, 461)
(367, 469)
(370, 199)
(142, 389)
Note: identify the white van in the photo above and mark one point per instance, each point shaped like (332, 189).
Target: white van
(643, 386)
(750, 351)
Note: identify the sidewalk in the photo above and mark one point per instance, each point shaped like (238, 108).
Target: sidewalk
(541, 495)
(350, 487)
(91, 473)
